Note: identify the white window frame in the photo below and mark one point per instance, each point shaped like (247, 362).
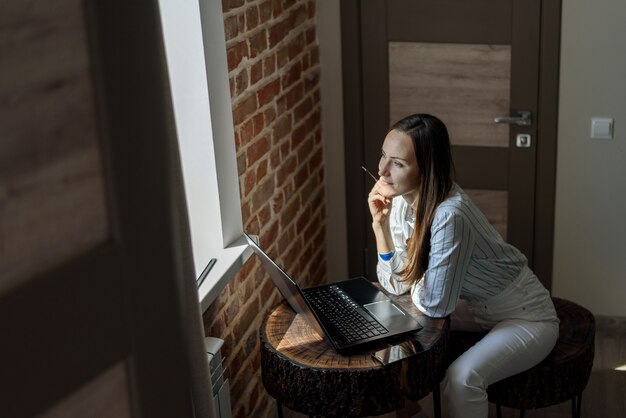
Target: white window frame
(195, 49)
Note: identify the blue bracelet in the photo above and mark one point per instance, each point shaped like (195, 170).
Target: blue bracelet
(386, 257)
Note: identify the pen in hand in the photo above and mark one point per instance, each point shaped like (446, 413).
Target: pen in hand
(368, 172)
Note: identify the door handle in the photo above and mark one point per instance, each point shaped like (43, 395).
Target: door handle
(523, 118)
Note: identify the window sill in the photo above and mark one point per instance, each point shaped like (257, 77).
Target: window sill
(229, 261)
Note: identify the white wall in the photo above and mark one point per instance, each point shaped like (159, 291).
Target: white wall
(590, 218)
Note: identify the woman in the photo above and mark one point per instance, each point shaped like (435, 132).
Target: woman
(435, 243)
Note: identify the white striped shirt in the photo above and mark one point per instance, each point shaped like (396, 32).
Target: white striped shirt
(468, 259)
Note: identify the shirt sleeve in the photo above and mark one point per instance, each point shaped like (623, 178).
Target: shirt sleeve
(387, 270)
(451, 244)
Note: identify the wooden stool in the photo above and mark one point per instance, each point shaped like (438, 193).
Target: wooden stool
(302, 371)
(559, 377)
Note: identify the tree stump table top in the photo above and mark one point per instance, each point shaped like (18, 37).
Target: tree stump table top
(302, 370)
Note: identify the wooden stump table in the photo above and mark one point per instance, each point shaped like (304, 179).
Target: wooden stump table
(303, 372)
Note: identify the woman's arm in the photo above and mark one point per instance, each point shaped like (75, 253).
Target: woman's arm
(451, 245)
(386, 223)
(380, 207)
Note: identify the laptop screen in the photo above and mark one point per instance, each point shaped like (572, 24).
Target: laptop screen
(287, 287)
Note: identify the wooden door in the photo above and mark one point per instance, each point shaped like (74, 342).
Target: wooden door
(466, 62)
(90, 290)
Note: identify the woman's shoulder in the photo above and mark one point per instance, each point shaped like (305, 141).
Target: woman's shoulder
(455, 202)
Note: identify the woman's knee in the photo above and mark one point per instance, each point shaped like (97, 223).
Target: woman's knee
(461, 379)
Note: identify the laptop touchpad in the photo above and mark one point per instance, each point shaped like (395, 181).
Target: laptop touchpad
(383, 310)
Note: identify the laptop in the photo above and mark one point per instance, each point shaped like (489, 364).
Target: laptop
(351, 315)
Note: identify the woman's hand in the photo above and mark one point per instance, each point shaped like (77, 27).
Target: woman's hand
(379, 202)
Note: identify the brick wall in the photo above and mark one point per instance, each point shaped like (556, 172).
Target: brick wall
(274, 83)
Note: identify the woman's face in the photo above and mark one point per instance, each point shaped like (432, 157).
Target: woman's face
(398, 170)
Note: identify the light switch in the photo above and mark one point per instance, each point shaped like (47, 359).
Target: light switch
(602, 128)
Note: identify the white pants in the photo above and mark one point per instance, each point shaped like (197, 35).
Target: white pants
(523, 328)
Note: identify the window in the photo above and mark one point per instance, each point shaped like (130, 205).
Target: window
(195, 51)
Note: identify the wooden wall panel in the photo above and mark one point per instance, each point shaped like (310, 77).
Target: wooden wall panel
(52, 204)
(465, 85)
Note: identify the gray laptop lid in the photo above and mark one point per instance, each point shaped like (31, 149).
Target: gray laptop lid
(287, 287)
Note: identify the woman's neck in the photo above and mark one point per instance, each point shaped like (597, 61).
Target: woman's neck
(412, 198)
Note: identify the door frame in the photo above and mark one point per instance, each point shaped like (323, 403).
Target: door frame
(546, 125)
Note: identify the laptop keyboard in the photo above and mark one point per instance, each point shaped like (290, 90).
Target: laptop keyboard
(341, 311)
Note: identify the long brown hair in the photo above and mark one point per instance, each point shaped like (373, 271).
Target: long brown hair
(434, 160)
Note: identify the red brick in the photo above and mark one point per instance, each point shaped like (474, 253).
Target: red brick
(310, 36)
(282, 57)
(228, 5)
(286, 170)
(288, 3)
(258, 43)
(256, 72)
(274, 158)
(292, 76)
(311, 9)
(258, 123)
(241, 82)
(277, 8)
(252, 17)
(251, 225)
(246, 132)
(302, 221)
(244, 109)
(253, 398)
(305, 62)
(295, 46)
(309, 187)
(278, 202)
(269, 66)
(281, 128)
(236, 54)
(246, 210)
(231, 85)
(292, 255)
(278, 32)
(268, 238)
(257, 150)
(298, 135)
(241, 164)
(248, 317)
(303, 109)
(267, 165)
(239, 385)
(315, 55)
(249, 182)
(301, 176)
(264, 215)
(311, 81)
(289, 99)
(313, 121)
(305, 150)
(265, 11)
(289, 212)
(231, 312)
(316, 159)
(268, 92)
(297, 16)
(285, 151)
(267, 289)
(261, 170)
(231, 27)
(262, 194)
(270, 115)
